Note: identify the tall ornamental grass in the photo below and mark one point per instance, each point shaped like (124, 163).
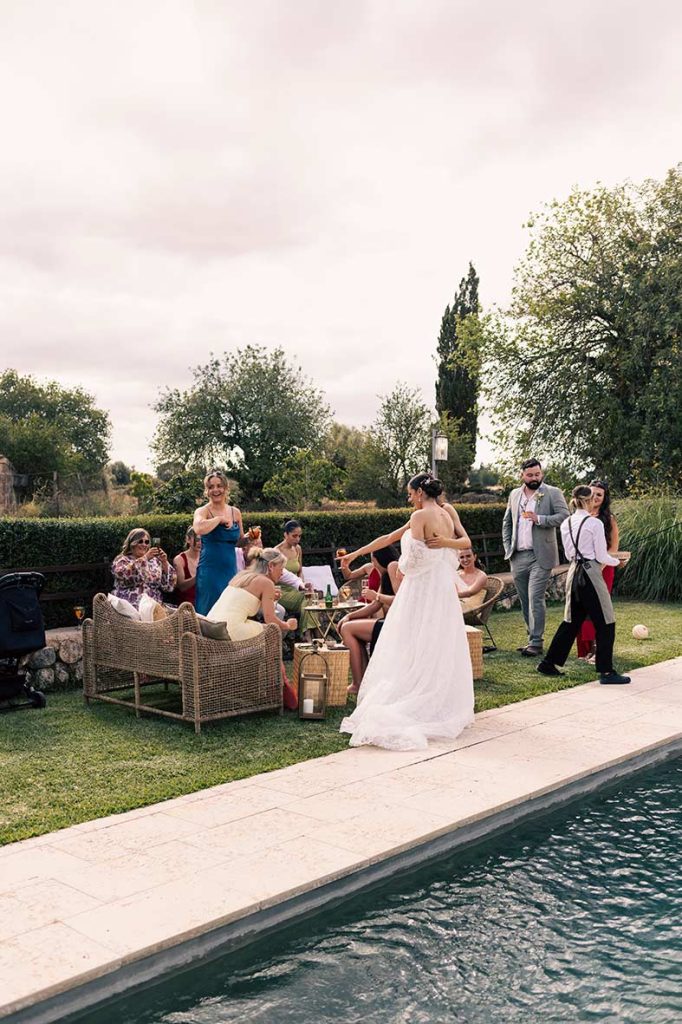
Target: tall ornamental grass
(651, 528)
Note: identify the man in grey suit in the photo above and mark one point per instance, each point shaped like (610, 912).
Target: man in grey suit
(533, 513)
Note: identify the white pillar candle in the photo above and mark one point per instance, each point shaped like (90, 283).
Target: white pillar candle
(308, 705)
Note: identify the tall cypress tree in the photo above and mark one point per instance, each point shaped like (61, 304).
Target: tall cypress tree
(457, 384)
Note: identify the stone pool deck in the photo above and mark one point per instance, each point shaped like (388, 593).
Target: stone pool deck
(89, 911)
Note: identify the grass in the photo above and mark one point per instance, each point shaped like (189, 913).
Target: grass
(71, 763)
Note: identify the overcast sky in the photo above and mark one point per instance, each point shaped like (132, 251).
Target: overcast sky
(185, 177)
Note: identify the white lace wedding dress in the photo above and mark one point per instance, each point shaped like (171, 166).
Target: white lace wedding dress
(418, 685)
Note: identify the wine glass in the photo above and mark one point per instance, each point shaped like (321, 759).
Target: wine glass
(79, 612)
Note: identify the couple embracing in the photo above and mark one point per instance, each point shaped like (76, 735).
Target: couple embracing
(418, 685)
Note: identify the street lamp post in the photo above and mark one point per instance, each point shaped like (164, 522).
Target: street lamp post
(439, 449)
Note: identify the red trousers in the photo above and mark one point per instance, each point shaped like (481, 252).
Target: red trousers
(587, 635)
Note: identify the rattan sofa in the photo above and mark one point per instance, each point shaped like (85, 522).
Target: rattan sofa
(217, 678)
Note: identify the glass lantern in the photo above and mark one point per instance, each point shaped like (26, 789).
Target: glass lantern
(312, 687)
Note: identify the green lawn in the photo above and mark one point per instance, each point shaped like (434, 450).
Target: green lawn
(70, 762)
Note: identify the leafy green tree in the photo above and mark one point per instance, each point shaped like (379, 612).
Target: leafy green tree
(304, 480)
(247, 410)
(47, 428)
(145, 488)
(399, 444)
(457, 385)
(586, 368)
(483, 476)
(453, 473)
(182, 492)
(119, 473)
(341, 442)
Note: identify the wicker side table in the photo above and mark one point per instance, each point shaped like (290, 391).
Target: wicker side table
(337, 661)
(475, 640)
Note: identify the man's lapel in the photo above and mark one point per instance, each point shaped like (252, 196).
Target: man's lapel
(515, 501)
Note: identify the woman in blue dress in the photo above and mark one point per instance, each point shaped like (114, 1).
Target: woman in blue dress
(219, 525)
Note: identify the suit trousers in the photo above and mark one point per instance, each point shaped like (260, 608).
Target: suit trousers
(531, 580)
(584, 601)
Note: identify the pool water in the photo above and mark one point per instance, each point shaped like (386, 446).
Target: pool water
(574, 917)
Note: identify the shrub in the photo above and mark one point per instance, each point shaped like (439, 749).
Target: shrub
(651, 528)
(27, 543)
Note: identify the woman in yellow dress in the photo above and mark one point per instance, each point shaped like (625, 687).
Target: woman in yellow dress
(249, 592)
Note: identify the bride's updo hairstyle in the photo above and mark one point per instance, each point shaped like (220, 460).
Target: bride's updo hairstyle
(430, 485)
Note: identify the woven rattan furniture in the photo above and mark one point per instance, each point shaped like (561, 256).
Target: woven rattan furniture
(217, 678)
(337, 661)
(479, 616)
(475, 641)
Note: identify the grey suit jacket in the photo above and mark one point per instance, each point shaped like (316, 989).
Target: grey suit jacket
(551, 509)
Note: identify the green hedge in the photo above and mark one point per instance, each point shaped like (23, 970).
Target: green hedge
(34, 542)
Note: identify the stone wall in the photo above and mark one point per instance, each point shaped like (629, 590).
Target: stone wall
(58, 665)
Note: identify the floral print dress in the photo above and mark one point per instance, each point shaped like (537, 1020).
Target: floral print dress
(135, 577)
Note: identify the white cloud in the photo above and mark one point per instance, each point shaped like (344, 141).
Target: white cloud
(178, 178)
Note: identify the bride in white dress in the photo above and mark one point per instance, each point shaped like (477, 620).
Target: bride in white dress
(418, 685)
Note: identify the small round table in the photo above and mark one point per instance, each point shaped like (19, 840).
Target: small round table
(327, 619)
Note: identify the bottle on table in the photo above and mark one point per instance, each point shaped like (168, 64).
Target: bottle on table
(328, 599)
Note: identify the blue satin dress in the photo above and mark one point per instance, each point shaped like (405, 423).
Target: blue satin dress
(217, 565)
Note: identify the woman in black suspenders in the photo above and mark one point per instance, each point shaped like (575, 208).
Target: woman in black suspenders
(584, 542)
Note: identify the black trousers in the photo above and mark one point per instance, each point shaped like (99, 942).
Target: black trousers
(584, 604)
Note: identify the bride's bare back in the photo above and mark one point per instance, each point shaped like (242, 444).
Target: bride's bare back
(432, 521)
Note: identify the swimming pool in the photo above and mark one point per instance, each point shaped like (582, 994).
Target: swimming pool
(572, 917)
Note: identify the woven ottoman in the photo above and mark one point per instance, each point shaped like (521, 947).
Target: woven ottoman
(337, 662)
(475, 639)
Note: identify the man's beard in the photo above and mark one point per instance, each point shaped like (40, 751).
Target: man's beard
(533, 485)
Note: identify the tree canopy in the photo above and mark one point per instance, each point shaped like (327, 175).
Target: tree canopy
(48, 428)
(457, 383)
(247, 410)
(587, 365)
(304, 480)
(395, 447)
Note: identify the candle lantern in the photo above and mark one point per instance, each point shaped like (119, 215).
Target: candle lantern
(312, 687)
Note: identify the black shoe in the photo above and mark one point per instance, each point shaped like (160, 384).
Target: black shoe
(614, 678)
(531, 651)
(521, 649)
(545, 669)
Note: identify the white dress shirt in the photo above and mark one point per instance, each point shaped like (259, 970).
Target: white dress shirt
(592, 540)
(524, 527)
(290, 579)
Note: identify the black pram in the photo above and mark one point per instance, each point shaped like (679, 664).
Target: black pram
(22, 631)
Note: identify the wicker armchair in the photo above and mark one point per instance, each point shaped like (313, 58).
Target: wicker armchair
(217, 678)
(479, 616)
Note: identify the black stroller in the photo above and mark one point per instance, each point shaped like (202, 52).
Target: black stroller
(22, 631)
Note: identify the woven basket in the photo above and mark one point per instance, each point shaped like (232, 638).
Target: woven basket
(475, 639)
(337, 663)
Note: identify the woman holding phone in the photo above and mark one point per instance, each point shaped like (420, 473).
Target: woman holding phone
(142, 568)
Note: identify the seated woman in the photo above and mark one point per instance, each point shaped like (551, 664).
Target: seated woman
(185, 565)
(142, 569)
(357, 627)
(472, 591)
(292, 588)
(248, 593)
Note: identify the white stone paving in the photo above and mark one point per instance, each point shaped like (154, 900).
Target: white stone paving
(80, 903)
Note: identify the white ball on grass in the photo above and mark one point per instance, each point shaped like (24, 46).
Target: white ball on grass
(640, 632)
